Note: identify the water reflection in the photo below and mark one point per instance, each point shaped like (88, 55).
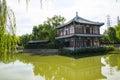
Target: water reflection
(62, 68)
(17, 71)
(7, 57)
(112, 66)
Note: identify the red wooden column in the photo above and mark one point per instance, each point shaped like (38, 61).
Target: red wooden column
(83, 43)
(74, 29)
(98, 30)
(69, 31)
(92, 30)
(98, 42)
(92, 42)
(73, 43)
(82, 30)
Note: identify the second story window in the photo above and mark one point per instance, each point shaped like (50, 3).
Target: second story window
(71, 30)
(61, 32)
(95, 30)
(66, 31)
(90, 30)
(84, 30)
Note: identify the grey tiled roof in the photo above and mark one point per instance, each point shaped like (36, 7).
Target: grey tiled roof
(81, 35)
(81, 20)
(38, 41)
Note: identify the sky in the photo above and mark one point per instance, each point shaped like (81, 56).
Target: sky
(33, 14)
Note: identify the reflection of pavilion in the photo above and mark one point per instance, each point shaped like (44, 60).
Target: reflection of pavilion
(79, 33)
(60, 68)
(83, 69)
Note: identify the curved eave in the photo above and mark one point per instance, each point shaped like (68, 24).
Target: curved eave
(61, 37)
(60, 26)
(80, 35)
(88, 35)
(91, 23)
(83, 22)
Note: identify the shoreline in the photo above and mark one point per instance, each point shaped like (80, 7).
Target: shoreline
(82, 55)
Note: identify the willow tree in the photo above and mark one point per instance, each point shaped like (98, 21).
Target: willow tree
(8, 39)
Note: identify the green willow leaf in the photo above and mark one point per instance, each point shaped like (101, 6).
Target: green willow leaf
(8, 39)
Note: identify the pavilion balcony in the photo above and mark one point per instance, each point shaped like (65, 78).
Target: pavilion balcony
(80, 35)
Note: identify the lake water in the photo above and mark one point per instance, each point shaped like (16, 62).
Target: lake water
(27, 67)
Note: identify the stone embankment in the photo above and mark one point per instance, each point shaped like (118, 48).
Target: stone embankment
(41, 51)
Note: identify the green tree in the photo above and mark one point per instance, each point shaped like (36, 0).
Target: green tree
(109, 36)
(55, 21)
(52, 23)
(104, 38)
(25, 38)
(47, 30)
(118, 31)
(112, 35)
(35, 33)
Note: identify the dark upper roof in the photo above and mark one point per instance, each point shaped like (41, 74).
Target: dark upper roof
(80, 20)
(38, 41)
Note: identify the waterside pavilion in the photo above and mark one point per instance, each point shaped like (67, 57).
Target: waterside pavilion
(79, 33)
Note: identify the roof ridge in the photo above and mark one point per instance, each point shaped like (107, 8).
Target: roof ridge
(78, 17)
(81, 20)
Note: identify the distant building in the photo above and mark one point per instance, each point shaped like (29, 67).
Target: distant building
(37, 44)
(79, 33)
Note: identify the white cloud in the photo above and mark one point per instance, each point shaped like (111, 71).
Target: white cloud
(18, 71)
(95, 10)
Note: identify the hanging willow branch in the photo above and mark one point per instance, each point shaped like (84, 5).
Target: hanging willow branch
(8, 39)
(11, 22)
(27, 2)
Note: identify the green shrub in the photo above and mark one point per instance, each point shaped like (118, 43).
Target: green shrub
(109, 48)
(85, 50)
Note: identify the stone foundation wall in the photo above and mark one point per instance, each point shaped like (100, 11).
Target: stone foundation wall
(41, 51)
